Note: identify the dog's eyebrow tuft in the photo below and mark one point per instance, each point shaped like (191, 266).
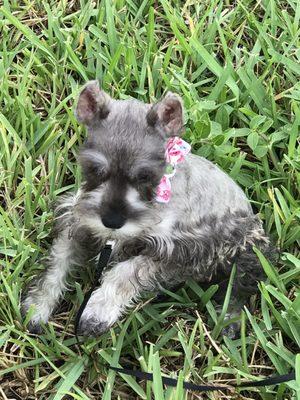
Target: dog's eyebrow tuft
(92, 156)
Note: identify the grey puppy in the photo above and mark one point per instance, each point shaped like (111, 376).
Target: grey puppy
(206, 228)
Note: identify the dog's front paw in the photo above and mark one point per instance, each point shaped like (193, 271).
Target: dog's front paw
(40, 313)
(35, 323)
(91, 327)
(34, 327)
(97, 317)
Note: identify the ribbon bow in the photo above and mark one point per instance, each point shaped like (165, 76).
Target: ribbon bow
(175, 153)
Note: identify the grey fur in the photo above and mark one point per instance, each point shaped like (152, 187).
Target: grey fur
(207, 226)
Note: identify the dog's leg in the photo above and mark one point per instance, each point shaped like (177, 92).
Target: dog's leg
(121, 285)
(46, 290)
(248, 273)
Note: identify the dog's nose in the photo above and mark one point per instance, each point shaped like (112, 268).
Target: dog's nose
(113, 221)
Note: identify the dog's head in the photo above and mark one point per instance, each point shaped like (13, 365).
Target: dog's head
(123, 158)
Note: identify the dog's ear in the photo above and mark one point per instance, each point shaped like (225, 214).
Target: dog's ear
(93, 104)
(168, 114)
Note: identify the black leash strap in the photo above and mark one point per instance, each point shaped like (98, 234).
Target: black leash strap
(168, 381)
(274, 380)
(102, 263)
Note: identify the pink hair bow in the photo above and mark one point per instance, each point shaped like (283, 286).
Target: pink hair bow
(175, 153)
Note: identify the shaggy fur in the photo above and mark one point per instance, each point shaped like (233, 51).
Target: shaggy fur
(206, 228)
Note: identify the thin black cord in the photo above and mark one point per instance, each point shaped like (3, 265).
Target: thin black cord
(273, 380)
(102, 263)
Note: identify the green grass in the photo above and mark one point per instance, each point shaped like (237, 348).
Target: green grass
(236, 65)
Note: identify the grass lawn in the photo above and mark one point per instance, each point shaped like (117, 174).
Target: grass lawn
(236, 65)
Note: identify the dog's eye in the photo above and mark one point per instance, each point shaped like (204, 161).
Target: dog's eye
(144, 176)
(95, 170)
(94, 174)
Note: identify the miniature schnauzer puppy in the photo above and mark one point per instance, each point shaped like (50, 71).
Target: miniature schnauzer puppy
(205, 228)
